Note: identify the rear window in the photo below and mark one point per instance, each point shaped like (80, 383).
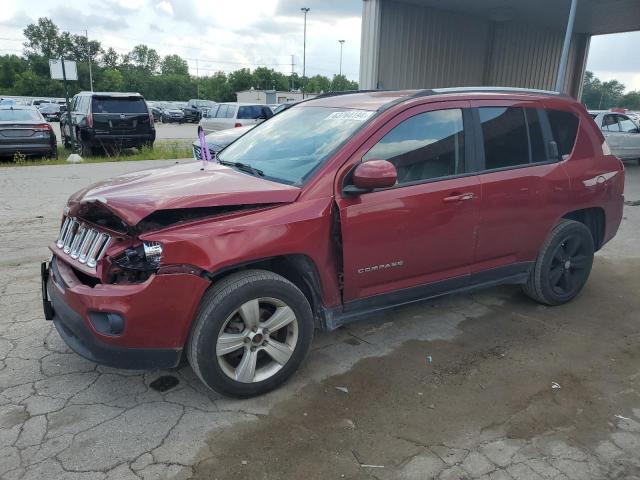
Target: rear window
(564, 127)
(20, 115)
(251, 112)
(118, 105)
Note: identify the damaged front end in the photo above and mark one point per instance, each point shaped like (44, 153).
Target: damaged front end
(102, 248)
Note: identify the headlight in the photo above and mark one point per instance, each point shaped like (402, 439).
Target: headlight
(153, 253)
(144, 258)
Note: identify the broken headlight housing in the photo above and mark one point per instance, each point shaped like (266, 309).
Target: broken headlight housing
(143, 258)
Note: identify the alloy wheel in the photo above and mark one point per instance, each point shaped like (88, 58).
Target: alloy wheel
(257, 340)
(569, 265)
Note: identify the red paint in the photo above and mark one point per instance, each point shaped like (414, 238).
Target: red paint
(438, 230)
(375, 174)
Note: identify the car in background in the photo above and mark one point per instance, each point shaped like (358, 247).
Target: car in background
(50, 110)
(621, 133)
(172, 114)
(23, 130)
(108, 119)
(232, 115)
(194, 109)
(216, 141)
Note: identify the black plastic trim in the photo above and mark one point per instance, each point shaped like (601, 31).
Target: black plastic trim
(516, 273)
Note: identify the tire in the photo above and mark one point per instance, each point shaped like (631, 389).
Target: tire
(226, 308)
(563, 264)
(85, 149)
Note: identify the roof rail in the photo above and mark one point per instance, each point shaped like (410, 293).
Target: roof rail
(495, 90)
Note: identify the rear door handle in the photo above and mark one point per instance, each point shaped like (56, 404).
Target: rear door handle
(459, 197)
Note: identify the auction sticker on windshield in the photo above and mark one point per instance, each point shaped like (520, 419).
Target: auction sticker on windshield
(357, 115)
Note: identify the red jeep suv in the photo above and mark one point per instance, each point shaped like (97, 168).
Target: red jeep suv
(338, 207)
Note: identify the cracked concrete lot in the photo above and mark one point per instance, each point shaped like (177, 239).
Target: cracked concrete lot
(457, 388)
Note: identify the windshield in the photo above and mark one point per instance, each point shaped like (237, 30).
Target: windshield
(291, 145)
(20, 115)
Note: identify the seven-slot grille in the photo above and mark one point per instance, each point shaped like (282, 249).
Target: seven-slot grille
(82, 242)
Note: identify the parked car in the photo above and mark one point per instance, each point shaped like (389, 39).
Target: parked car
(621, 133)
(7, 101)
(339, 207)
(194, 108)
(107, 119)
(172, 115)
(232, 115)
(50, 110)
(24, 130)
(216, 141)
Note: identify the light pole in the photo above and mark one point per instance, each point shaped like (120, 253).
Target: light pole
(305, 10)
(341, 42)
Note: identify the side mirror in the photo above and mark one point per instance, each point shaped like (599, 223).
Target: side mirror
(372, 174)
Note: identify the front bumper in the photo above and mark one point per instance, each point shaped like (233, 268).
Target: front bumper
(157, 316)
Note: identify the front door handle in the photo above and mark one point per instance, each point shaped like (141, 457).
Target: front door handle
(459, 197)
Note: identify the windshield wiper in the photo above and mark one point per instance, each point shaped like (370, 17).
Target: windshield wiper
(244, 167)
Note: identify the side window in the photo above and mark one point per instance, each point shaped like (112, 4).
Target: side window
(504, 132)
(73, 104)
(626, 124)
(610, 123)
(231, 112)
(222, 111)
(212, 111)
(425, 146)
(564, 127)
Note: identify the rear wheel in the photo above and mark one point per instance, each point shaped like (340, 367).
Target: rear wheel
(251, 333)
(563, 264)
(85, 149)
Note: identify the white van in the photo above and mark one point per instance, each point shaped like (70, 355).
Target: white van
(230, 115)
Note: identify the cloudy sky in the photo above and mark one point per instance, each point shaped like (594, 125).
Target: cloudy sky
(227, 35)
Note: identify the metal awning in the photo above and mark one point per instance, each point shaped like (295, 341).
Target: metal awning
(593, 17)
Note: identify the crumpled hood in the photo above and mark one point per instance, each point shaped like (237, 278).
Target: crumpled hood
(134, 196)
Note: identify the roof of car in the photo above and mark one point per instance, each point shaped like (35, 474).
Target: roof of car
(381, 99)
(18, 107)
(111, 94)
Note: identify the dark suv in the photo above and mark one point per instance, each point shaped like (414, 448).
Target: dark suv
(195, 108)
(108, 119)
(339, 207)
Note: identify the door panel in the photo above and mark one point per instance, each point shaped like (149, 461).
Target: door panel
(408, 236)
(521, 198)
(423, 229)
(517, 210)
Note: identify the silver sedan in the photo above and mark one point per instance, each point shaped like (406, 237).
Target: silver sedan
(621, 132)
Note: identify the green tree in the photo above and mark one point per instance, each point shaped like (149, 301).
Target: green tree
(600, 95)
(109, 59)
(143, 58)
(109, 80)
(318, 84)
(630, 100)
(240, 80)
(44, 39)
(174, 65)
(341, 83)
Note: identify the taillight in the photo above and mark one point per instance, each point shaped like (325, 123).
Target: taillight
(238, 124)
(43, 127)
(151, 121)
(90, 120)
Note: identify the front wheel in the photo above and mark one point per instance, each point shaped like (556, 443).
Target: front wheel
(251, 333)
(563, 264)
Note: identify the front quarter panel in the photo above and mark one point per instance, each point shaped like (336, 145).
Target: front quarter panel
(302, 227)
